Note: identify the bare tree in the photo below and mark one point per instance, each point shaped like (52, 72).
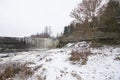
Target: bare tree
(86, 12)
(47, 32)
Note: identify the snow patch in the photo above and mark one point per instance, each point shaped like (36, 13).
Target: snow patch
(54, 64)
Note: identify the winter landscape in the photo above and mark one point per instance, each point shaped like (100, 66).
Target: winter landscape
(59, 64)
(80, 42)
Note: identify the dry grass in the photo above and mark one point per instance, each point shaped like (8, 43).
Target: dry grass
(80, 56)
(29, 63)
(117, 58)
(76, 76)
(10, 70)
(1, 60)
(37, 67)
(39, 77)
(75, 56)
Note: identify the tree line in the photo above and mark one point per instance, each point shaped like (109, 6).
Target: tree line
(45, 34)
(94, 20)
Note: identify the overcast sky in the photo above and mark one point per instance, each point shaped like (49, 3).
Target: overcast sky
(20, 18)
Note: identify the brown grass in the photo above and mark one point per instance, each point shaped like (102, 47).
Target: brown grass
(11, 69)
(29, 63)
(75, 56)
(37, 67)
(117, 58)
(80, 56)
(39, 77)
(76, 76)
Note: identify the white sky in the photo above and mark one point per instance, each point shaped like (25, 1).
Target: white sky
(20, 18)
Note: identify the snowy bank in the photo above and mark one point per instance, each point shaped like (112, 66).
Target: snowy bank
(54, 64)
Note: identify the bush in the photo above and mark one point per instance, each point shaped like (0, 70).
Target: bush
(75, 56)
(80, 56)
(9, 70)
(117, 58)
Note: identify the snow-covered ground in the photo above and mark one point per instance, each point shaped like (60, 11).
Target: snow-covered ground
(103, 64)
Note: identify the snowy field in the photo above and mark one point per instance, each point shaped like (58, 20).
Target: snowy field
(54, 64)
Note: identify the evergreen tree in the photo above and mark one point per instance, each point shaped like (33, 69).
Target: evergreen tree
(66, 30)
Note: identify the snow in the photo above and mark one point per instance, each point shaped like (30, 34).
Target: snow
(55, 64)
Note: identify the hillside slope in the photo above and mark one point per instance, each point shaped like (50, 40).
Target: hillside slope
(54, 64)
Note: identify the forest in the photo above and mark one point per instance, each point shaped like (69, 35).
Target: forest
(94, 21)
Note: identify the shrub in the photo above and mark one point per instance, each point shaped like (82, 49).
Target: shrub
(75, 56)
(117, 58)
(37, 67)
(9, 70)
(80, 56)
(39, 77)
